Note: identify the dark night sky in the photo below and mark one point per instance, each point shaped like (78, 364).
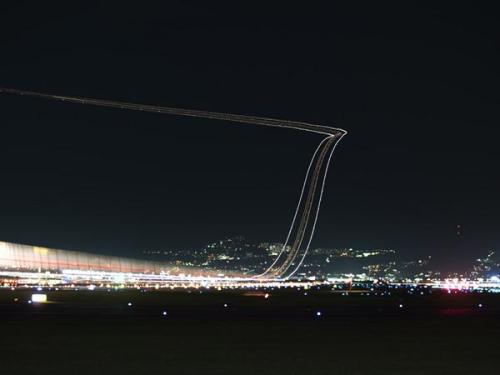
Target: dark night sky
(416, 87)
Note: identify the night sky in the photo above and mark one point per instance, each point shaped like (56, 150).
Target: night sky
(416, 88)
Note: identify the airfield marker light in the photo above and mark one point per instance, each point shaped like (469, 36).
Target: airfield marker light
(400, 305)
(129, 304)
(266, 296)
(480, 305)
(318, 313)
(164, 313)
(39, 298)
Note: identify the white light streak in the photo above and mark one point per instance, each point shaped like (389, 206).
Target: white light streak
(333, 136)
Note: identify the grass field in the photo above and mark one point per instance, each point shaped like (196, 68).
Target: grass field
(98, 333)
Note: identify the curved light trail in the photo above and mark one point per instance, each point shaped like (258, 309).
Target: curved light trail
(285, 265)
(297, 210)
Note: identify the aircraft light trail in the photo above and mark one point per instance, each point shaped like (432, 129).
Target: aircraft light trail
(303, 225)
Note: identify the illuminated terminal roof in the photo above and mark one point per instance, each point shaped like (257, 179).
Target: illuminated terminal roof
(34, 258)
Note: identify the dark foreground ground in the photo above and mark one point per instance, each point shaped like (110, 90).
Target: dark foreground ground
(99, 333)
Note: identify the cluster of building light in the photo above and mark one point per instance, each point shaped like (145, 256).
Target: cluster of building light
(30, 265)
